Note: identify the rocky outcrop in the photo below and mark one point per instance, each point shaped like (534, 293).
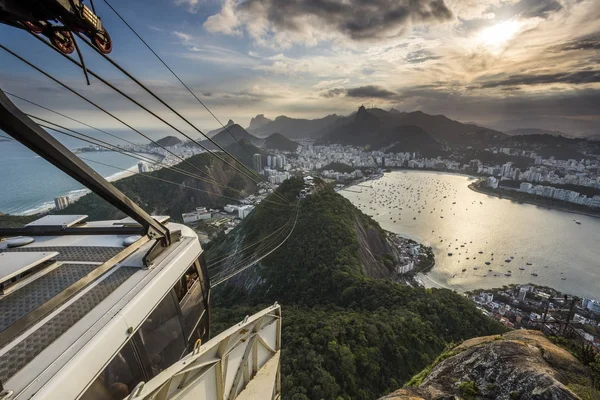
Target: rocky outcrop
(517, 365)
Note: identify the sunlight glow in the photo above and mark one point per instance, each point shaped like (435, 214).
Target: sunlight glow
(496, 36)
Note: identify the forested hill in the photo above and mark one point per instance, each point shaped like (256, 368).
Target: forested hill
(166, 192)
(345, 334)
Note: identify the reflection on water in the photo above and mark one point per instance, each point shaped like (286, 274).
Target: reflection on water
(519, 241)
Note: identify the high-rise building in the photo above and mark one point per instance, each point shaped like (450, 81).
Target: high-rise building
(257, 162)
(61, 202)
(269, 161)
(142, 167)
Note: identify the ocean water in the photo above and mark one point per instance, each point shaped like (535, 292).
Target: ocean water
(439, 210)
(28, 183)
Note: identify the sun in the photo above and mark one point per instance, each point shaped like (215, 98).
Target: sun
(497, 36)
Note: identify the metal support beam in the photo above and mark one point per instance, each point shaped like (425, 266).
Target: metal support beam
(16, 124)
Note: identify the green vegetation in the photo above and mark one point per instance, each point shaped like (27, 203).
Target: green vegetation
(469, 389)
(159, 197)
(16, 221)
(345, 335)
(338, 167)
(417, 380)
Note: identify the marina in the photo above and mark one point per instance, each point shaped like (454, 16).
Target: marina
(480, 230)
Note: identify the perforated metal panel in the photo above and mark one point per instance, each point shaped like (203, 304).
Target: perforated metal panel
(18, 304)
(76, 253)
(20, 355)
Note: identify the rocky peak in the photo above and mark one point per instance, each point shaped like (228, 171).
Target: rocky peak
(517, 365)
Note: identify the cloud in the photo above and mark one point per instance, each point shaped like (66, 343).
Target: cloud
(573, 78)
(225, 22)
(538, 8)
(370, 91)
(585, 43)
(313, 21)
(420, 56)
(333, 93)
(192, 5)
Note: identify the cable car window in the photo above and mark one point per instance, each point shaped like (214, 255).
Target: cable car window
(118, 379)
(162, 336)
(191, 300)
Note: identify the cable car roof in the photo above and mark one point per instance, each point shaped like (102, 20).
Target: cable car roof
(74, 285)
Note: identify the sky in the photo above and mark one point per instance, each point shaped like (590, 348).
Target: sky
(503, 64)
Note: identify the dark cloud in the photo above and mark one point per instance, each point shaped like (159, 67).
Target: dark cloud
(538, 8)
(357, 19)
(420, 56)
(370, 91)
(584, 43)
(574, 78)
(333, 93)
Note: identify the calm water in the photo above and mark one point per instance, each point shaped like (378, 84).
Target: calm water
(29, 183)
(412, 203)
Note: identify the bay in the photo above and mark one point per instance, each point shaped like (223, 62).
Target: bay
(439, 210)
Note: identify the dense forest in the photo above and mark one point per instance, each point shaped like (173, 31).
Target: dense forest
(345, 335)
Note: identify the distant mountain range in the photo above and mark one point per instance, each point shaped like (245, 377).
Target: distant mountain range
(373, 128)
(378, 125)
(394, 131)
(535, 131)
(291, 128)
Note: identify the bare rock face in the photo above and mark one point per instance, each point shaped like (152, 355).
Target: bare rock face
(517, 365)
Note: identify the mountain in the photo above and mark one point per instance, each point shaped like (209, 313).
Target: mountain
(534, 131)
(258, 122)
(292, 128)
(167, 141)
(277, 141)
(516, 365)
(212, 133)
(348, 331)
(229, 136)
(166, 192)
(576, 127)
(379, 130)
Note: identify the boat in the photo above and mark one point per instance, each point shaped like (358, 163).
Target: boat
(578, 222)
(522, 269)
(534, 274)
(487, 263)
(507, 274)
(529, 263)
(508, 260)
(450, 254)
(481, 252)
(464, 269)
(475, 268)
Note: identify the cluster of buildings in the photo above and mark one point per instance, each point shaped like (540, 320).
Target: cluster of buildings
(560, 194)
(276, 169)
(273, 162)
(312, 157)
(410, 254)
(342, 176)
(529, 306)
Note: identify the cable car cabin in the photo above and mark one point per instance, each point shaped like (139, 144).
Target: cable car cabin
(81, 317)
(37, 16)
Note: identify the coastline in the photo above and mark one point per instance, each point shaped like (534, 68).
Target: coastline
(76, 194)
(507, 195)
